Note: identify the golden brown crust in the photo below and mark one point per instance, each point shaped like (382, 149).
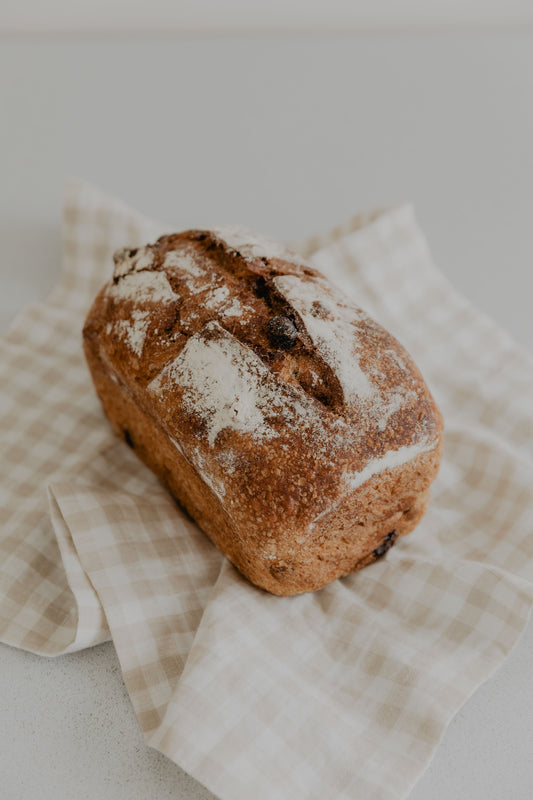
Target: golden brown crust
(295, 430)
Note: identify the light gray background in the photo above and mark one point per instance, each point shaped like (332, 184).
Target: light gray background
(289, 135)
(105, 16)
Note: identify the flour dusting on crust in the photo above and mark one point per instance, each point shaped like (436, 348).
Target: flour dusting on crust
(216, 485)
(185, 261)
(235, 309)
(134, 330)
(128, 260)
(253, 245)
(226, 385)
(143, 287)
(391, 459)
(385, 408)
(217, 297)
(329, 323)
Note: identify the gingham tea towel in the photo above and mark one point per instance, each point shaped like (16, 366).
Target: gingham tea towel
(343, 693)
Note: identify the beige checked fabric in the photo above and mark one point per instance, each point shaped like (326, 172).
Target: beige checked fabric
(344, 693)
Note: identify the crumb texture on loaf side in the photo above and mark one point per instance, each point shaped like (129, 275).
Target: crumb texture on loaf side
(287, 401)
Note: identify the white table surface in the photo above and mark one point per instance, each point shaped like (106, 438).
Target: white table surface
(289, 135)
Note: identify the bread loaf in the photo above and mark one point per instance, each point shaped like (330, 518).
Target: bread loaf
(292, 427)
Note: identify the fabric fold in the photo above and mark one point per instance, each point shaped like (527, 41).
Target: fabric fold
(152, 570)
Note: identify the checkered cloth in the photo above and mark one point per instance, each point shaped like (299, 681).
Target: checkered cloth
(343, 693)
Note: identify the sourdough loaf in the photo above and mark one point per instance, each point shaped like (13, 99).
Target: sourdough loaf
(294, 429)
